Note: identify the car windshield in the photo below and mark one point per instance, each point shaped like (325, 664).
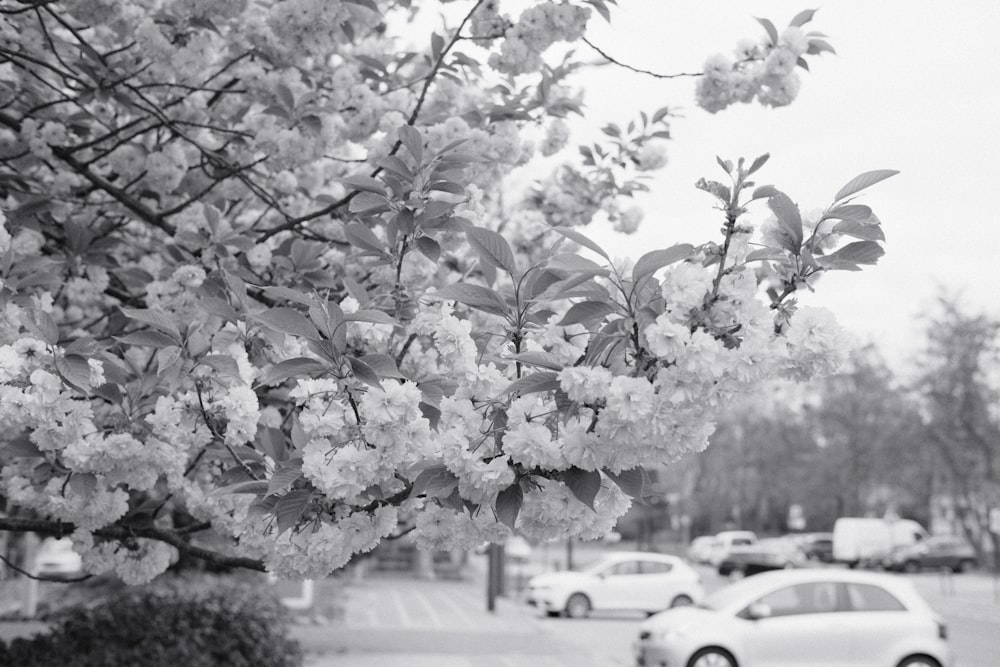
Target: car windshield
(725, 596)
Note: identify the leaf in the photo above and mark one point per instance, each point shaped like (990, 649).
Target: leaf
(289, 294)
(21, 446)
(509, 503)
(365, 183)
(370, 316)
(586, 312)
(74, 369)
(288, 321)
(430, 248)
(582, 240)
(284, 476)
(657, 259)
(155, 318)
(291, 507)
(543, 359)
(862, 181)
(291, 368)
(364, 372)
(758, 163)
(567, 261)
(534, 383)
(368, 202)
(789, 222)
(40, 324)
(859, 230)
(383, 365)
(433, 482)
(222, 363)
(147, 338)
(858, 212)
(803, 17)
(852, 254)
(474, 296)
(83, 484)
(254, 486)
(286, 96)
(361, 236)
(818, 46)
(772, 32)
(632, 482)
(583, 483)
(413, 141)
(765, 191)
(492, 247)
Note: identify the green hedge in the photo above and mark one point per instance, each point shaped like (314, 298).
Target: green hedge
(201, 622)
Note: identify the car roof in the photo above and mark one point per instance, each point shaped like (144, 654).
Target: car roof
(766, 582)
(640, 555)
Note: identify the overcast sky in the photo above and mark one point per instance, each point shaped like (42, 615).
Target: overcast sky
(914, 87)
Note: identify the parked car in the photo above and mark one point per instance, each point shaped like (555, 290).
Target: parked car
(816, 546)
(868, 541)
(626, 580)
(56, 559)
(726, 540)
(945, 551)
(776, 553)
(829, 616)
(700, 550)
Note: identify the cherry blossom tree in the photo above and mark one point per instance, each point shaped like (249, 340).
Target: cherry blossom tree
(259, 275)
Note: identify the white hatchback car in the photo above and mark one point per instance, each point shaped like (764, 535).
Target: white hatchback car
(637, 581)
(789, 618)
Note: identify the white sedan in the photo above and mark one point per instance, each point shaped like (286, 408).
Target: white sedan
(821, 618)
(636, 581)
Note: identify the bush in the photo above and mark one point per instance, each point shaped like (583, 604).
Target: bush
(177, 623)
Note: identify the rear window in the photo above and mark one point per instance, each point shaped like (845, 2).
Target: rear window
(654, 567)
(866, 597)
(741, 542)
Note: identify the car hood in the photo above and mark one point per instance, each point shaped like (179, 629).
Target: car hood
(680, 618)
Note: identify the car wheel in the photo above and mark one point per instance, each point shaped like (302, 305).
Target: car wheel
(919, 661)
(578, 606)
(681, 601)
(964, 566)
(712, 657)
(911, 567)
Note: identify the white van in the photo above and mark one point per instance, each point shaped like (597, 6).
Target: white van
(868, 541)
(726, 540)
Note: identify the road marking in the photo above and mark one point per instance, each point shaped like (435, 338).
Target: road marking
(435, 619)
(404, 617)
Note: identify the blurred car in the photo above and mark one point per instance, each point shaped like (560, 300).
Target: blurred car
(816, 546)
(700, 550)
(726, 541)
(769, 554)
(56, 559)
(638, 581)
(824, 616)
(945, 551)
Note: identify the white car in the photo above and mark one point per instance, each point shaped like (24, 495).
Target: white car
(56, 559)
(789, 618)
(700, 550)
(726, 540)
(637, 581)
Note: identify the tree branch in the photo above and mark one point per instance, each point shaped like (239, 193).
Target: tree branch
(637, 70)
(117, 532)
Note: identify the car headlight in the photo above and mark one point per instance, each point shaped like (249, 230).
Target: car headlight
(668, 634)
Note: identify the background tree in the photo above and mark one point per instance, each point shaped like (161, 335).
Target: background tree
(960, 401)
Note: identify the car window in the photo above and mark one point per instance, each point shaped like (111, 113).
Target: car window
(866, 597)
(814, 598)
(624, 567)
(741, 542)
(655, 567)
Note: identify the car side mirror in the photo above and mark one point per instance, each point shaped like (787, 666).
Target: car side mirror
(759, 610)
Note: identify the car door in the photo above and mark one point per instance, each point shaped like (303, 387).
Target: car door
(803, 627)
(619, 586)
(875, 619)
(659, 584)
